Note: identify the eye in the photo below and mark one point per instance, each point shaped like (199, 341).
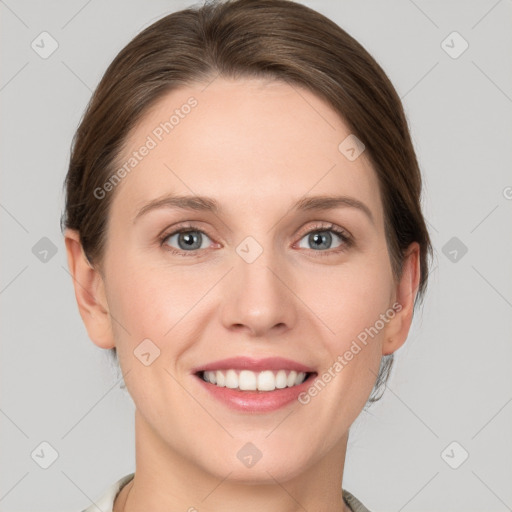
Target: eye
(187, 239)
(322, 238)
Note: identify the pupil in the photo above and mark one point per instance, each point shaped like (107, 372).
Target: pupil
(189, 239)
(318, 237)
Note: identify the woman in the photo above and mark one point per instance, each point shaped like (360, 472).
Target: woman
(244, 231)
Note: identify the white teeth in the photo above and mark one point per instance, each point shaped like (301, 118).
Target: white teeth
(231, 379)
(266, 381)
(281, 379)
(220, 378)
(292, 377)
(246, 380)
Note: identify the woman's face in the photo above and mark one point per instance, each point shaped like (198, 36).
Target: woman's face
(260, 276)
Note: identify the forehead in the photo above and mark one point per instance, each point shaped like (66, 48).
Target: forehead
(246, 142)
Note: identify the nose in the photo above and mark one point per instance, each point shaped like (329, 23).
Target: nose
(258, 297)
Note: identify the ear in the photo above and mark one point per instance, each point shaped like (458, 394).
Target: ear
(405, 295)
(89, 292)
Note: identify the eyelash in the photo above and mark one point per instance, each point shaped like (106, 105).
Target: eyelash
(347, 240)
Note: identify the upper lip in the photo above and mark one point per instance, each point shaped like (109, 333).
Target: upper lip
(256, 365)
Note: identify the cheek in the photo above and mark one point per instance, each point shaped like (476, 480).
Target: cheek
(150, 301)
(154, 302)
(349, 299)
(359, 313)
(139, 302)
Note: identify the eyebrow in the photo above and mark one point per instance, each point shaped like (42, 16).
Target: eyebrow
(208, 204)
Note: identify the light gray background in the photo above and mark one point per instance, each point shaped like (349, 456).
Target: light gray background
(452, 379)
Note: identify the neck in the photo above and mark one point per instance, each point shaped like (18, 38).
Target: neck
(165, 480)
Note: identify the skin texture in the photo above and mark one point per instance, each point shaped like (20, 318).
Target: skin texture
(256, 147)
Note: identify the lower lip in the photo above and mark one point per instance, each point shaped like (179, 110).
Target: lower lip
(256, 401)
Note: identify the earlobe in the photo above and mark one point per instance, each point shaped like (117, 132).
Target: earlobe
(89, 292)
(398, 328)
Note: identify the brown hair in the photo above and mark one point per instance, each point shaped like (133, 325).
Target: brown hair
(273, 39)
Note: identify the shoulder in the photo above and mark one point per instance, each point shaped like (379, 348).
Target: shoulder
(354, 504)
(106, 501)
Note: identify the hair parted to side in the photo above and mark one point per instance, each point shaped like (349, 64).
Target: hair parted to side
(270, 39)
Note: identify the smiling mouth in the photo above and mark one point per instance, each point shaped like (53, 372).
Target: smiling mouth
(247, 380)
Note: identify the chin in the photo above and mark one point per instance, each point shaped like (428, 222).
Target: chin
(251, 465)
